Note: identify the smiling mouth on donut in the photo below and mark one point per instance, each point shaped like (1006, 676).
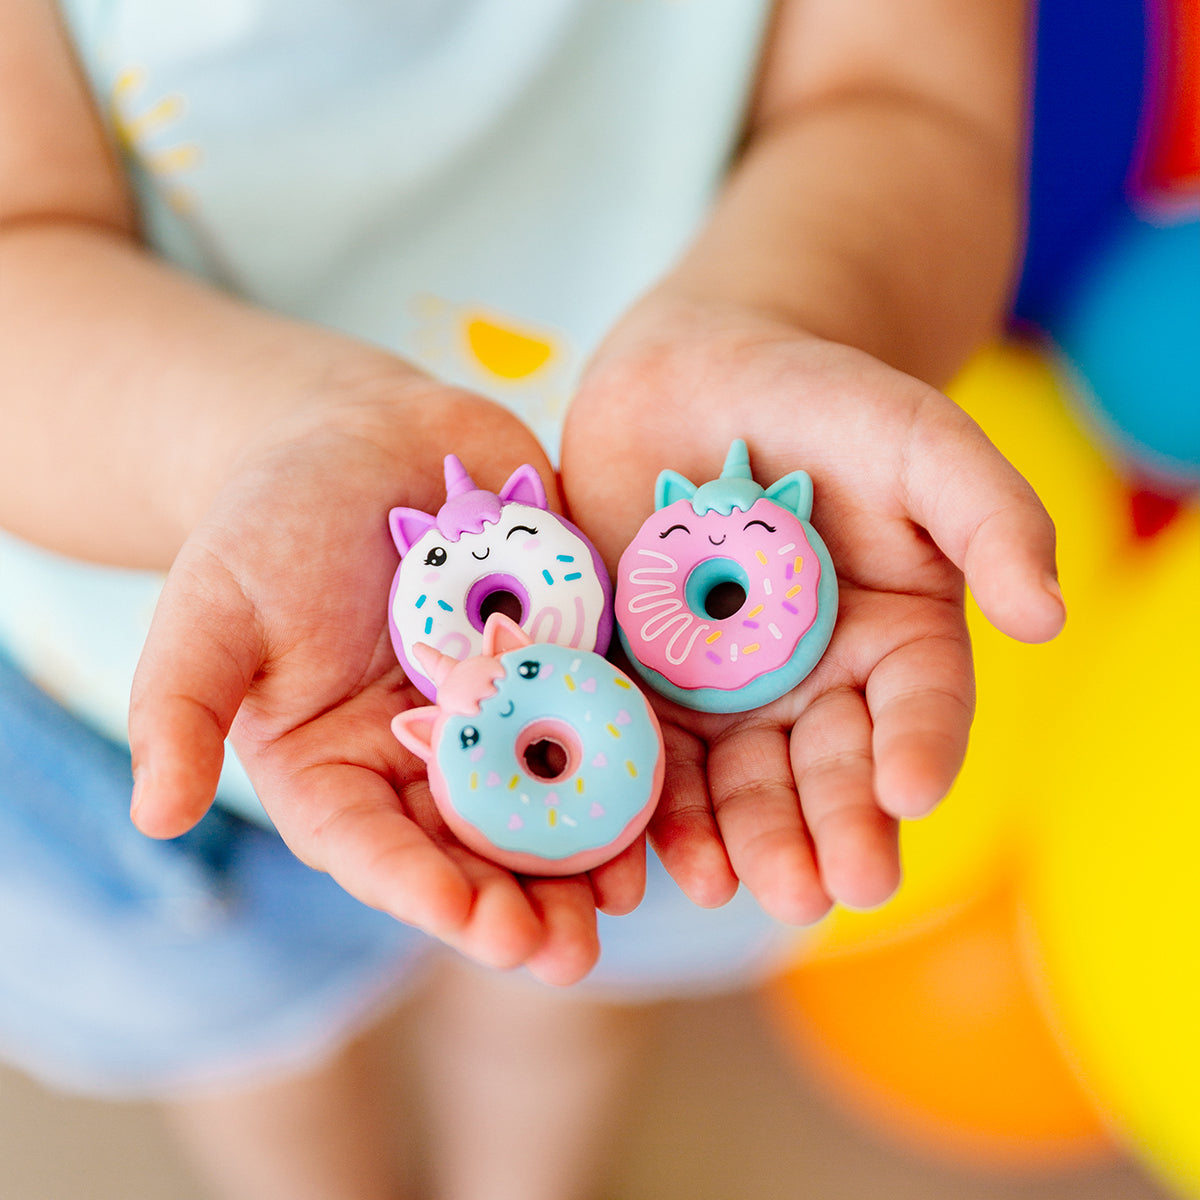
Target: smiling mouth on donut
(711, 539)
(482, 556)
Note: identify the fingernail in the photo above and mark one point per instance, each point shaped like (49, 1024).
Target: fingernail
(1053, 587)
(139, 792)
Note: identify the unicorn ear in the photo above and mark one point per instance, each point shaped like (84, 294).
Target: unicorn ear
(524, 486)
(501, 634)
(407, 526)
(672, 486)
(793, 492)
(414, 729)
(433, 662)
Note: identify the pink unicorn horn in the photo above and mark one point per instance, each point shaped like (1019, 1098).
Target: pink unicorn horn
(458, 482)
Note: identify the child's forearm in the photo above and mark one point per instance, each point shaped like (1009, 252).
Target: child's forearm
(871, 225)
(878, 201)
(128, 392)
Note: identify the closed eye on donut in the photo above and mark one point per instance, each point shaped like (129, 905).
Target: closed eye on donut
(516, 527)
(768, 528)
(666, 532)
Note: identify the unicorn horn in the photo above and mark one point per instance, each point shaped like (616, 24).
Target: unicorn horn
(458, 482)
(737, 461)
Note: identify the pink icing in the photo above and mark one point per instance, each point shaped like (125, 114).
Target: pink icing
(690, 648)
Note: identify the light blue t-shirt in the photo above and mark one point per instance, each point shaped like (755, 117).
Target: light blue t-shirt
(481, 186)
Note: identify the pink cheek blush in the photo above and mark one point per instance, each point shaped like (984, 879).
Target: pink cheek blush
(431, 577)
(531, 545)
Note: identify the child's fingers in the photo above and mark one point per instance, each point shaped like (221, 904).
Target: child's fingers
(683, 829)
(856, 843)
(922, 699)
(571, 947)
(758, 811)
(619, 884)
(990, 523)
(199, 659)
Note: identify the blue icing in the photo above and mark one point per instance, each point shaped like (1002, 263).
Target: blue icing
(515, 809)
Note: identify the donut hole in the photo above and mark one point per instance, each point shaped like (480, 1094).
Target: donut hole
(549, 750)
(496, 593)
(723, 600)
(546, 759)
(502, 601)
(716, 588)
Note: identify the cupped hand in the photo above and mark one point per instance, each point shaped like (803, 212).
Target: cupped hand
(272, 629)
(800, 799)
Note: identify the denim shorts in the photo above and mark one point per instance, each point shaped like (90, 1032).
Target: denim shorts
(133, 967)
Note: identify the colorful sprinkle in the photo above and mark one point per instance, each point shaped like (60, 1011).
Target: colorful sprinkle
(566, 820)
(790, 608)
(793, 591)
(613, 730)
(515, 822)
(767, 587)
(569, 682)
(474, 780)
(790, 573)
(755, 611)
(512, 783)
(798, 564)
(422, 600)
(733, 652)
(597, 812)
(428, 626)
(552, 817)
(750, 649)
(551, 798)
(600, 760)
(493, 780)
(588, 685)
(762, 558)
(565, 558)
(786, 549)
(579, 784)
(712, 637)
(631, 769)
(622, 683)
(773, 630)
(750, 624)
(712, 657)
(447, 607)
(623, 718)
(548, 577)
(572, 577)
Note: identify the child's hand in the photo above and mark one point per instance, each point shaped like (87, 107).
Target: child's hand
(803, 796)
(272, 625)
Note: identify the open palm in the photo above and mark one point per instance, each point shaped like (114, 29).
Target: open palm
(799, 799)
(272, 628)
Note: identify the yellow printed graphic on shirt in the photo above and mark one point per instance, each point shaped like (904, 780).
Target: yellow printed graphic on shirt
(142, 127)
(524, 366)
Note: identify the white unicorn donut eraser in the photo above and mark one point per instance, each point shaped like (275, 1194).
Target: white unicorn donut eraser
(543, 758)
(727, 596)
(486, 552)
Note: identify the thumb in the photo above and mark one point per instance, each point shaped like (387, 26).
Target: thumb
(198, 662)
(989, 522)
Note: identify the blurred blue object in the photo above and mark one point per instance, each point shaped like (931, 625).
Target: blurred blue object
(1131, 327)
(1089, 83)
